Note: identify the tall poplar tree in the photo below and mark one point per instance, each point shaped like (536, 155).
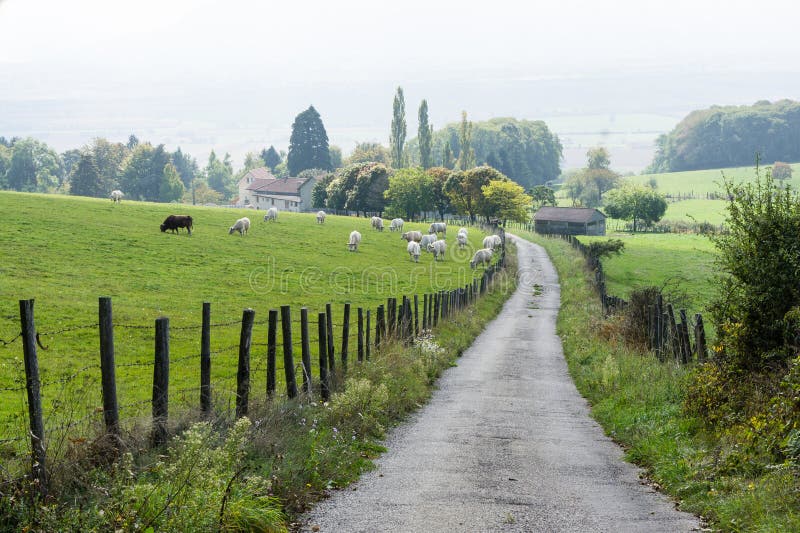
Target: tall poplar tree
(466, 158)
(425, 136)
(397, 138)
(308, 145)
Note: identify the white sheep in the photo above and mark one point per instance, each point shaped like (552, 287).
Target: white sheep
(481, 256)
(396, 225)
(438, 227)
(412, 236)
(498, 242)
(462, 230)
(413, 251)
(355, 239)
(462, 239)
(116, 196)
(377, 223)
(272, 214)
(426, 240)
(488, 242)
(320, 217)
(241, 225)
(438, 248)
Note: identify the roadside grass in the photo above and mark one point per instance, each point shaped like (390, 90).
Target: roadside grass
(639, 402)
(66, 251)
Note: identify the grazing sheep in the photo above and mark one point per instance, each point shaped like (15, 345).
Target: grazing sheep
(116, 196)
(498, 242)
(355, 239)
(320, 217)
(488, 242)
(462, 230)
(241, 225)
(438, 227)
(481, 256)
(462, 239)
(396, 225)
(175, 222)
(412, 236)
(413, 251)
(272, 214)
(377, 223)
(426, 240)
(438, 248)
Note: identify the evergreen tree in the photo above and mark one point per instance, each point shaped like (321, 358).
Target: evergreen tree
(466, 157)
(85, 179)
(308, 145)
(186, 166)
(21, 174)
(425, 136)
(271, 157)
(171, 187)
(447, 156)
(219, 175)
(397, 137)
(133, 141)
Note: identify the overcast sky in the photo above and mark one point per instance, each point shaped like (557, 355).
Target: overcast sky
(85, 49)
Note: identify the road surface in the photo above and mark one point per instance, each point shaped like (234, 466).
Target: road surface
(505, 444)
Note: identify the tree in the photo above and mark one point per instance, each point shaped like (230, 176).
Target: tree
(781, 171)
(69, 159)
(5, 163)
(465, 189)
(308, 144)
(447, 156)
(319, 193)
(397, 136)
(370, 153)
(109, 157)
(597, 158)
(251, 161)
(171, 187)
(410, 192)
(186, 166)
(439, 196)
(133, 141)
(359, 187)
(34, 167)
(505, 200)
(202, 194)
(85, 179)
(542, 195)
(143, 172)
(336, 156)
(466, 157)
(425, 137)
(637, 203)
(271, 157)
(219, 176)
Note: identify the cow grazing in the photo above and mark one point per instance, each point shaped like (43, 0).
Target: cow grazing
(175, 222)
(241, 225)
(116, 196)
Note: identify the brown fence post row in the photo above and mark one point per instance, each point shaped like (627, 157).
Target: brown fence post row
(33, 389)
(272, 346)
(243, 370)
(322, 332)
(305, 350)
(288, 356)
(161, 382)
(205, 360)
(107, 367)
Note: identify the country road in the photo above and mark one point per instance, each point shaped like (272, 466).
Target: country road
(505, 444)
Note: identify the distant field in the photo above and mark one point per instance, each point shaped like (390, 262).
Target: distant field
(701, 182)
(66, 252)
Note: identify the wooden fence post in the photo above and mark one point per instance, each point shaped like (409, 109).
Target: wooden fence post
(367, 354)
(436, 298)
(305, 343)
(322, 332)
(425, 311)
(360, 333)
(345, 336)
(686, 345)
(205, 360)
(673, 332)
(243, 370)
(288, 356)
(161, 383)
(379, 326)
(272, 346)
(329, 336)
(107, 367)
(404, 318)
(416, 316)
(33, 389)
(700, 338)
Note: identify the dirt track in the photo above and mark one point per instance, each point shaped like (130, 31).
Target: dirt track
(506, 443)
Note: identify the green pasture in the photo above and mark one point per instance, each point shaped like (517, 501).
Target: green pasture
(65, 252)
(701, 182)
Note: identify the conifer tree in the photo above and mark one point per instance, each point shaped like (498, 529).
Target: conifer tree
(397, 137)
(86, 180)
(308, 145)
(425, 136)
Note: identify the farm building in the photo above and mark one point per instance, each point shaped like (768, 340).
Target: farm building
(260, 189)
(569, 221)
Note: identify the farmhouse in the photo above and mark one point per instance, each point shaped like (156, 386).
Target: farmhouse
(569, 221)
(260, 189)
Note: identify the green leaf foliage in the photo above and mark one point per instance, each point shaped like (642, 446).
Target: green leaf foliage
(637, 203)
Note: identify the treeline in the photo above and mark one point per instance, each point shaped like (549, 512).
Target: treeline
(524, 150)
(413, 192)
(731, 136)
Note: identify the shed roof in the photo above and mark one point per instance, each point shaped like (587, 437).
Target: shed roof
(579, 215)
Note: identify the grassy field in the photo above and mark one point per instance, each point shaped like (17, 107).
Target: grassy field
(65, 252)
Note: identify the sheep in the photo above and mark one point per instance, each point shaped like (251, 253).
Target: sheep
(462, 239)
(413, 251)
(438, 248)
(241, 225)
(498, 242)
(396, 225)
(377, 223)
(116, 196)
(426, 240)
(488, 242)
(355, 239)
(412, 236)
(483, 255)
(320, 217)
(462, 230)
(438, 227)
(272, 214)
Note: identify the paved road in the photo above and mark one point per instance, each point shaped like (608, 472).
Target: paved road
(506, 443)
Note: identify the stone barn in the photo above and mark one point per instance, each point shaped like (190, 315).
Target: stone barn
(569, 221)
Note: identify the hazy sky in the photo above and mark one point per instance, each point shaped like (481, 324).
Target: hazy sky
(176, 50)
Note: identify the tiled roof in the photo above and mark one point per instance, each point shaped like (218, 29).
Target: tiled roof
(261, 181)
(567, 214)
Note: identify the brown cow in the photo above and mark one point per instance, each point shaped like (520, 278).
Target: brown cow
(174, 222)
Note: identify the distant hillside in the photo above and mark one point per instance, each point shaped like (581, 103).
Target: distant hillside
(731, 136)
